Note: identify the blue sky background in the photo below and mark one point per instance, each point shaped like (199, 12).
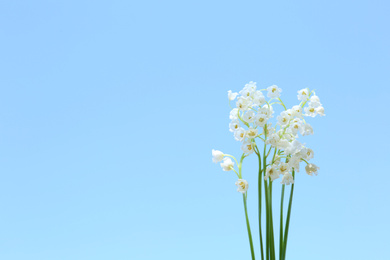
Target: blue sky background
(109, 111)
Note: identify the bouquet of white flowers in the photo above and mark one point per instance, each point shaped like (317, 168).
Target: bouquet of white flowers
(281, 154)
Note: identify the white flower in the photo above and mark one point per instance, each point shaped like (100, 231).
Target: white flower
(303, 94)
(284, 168)
(227, 164)
(294, 162)
(242, 185)
(315, 98)
(282, 144)
(245, 92)
(310, 111)
(251, 86)
(307, 129)
(249, 116)
(258, 98)
(294, 147)
(320, 110)
(312, 169)
(271, 172)
(283, 119)
(297, 111)
(243, 103)
(297, 125)
(239, 134)
(314, 101)
(267, 110)
(231, 95)
(307, 153)
(290, 113)
(252, 132)
(273, 91)
(234, 114)
(260, 120)
(287, 179)
(273, 139)
(217, 156)
(289, 135)
(247, 147)
(234, 125)
(248, 90)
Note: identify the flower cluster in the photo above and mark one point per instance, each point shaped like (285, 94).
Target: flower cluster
(250, 122)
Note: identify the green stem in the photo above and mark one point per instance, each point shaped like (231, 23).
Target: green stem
(271, 222)
(266, 200)
(260, 206)
(288, 218)
(240, 166)
(281, 225)
(281, 102)
(248, 227)
(268, 239)
(231, 156)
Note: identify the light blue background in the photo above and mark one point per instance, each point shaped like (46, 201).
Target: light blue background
(109, 111)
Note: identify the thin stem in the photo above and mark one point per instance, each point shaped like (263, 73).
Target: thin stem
(231, 156)
(269, 151)
(273, 158)
(267, 219)
(266, 199)
(242, 120)
(236, 173)
(288, 217)
(271, 221)
(281, 225)
(282, 104)
(260, 202)
(240, 166)
(304, 161)
(248, 227)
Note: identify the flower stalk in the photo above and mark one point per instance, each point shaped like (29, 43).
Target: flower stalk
(244, 196)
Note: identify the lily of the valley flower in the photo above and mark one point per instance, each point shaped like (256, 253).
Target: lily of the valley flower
(239, 134)
(231, 95)
(258, 98)
(307, 129)
(283, 119)
(310, 111)
(307, 153)
(320, 110)
(284, 168)
(242, 185)
(287, 179)
(249, 116)
(227, 164)
(234, 125)
(294, 162)
(297, 111)
(273, 91)
(217, 156)
(251, 133)
(303, 94)
(311, 169)
(260, 120)
(243, 103)
(234, 114)
(271, 172)
(247, 147)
